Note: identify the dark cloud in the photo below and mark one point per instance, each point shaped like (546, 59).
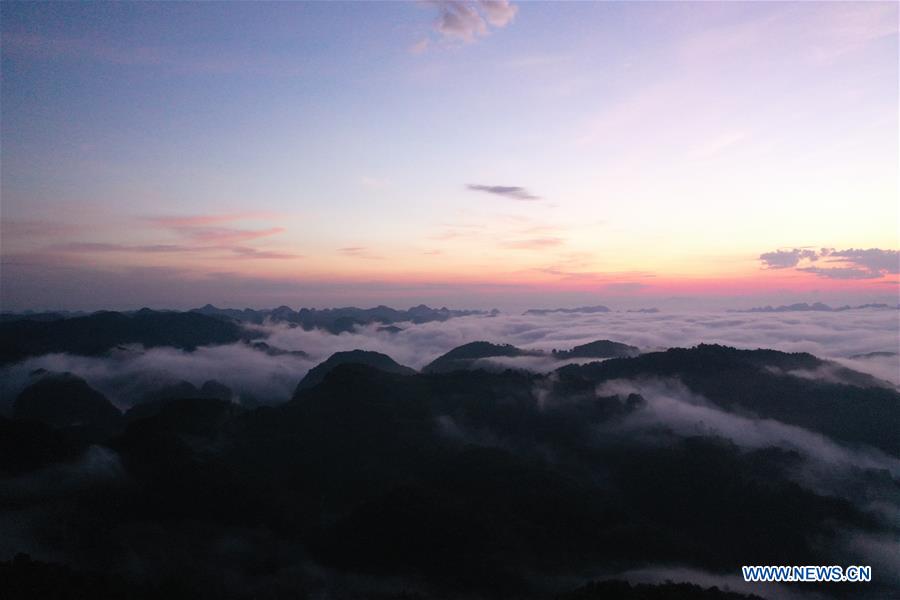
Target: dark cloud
(508, 191)
(784, 259)
(498, 12)
(842, 272)
(871, 263)
(464, 20)
(873, 259)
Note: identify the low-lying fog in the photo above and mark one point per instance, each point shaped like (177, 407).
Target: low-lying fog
(126, 375)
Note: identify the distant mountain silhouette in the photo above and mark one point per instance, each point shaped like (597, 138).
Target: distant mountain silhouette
(598, 349)
(65, 401)
(100, 332)
(340, 320)
(30, 315)
(581, 309)
(275, 351)
(376, 360)
(814, 307)
(884, 354)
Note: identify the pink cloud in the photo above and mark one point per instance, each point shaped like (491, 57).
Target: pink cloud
(200, 227)
(534, 243)
(175, 221)
(359, 252)
(224, 235)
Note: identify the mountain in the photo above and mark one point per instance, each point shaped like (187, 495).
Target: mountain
(882, 354)
(389, 329)
(843, 404)
(25, 577)
(100, 332)
(568, 311)
(25, 335)
(275, 351)
(6, 317)
(31, 445)
(341, 320)
(463, 357)
(622, 590)
(153, 402)
(467, 484)
(64, 401)
(247, 314)
(468, 355)
(814, 307)
(376, 360)
(598, 349)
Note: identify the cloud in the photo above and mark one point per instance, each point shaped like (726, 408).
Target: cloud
(667, 403)
(176, 221)
(93, 247)
(508, 191)
(732, 583)
(498, 12)
(883, 366)
(784, 259)
(126, 376)
(871, 263)
(224, 235)
(247, 252)
(873, 259)
(200, 234)
(670, 404)
(236, 251)
(827, 335)
(208, 228)
(841, 272)
(420, 46)
(466, 20)
(359, 252)
(534, 243)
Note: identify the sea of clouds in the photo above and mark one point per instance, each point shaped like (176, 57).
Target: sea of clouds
(126, 376)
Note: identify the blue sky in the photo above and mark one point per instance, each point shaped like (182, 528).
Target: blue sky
(668, 146)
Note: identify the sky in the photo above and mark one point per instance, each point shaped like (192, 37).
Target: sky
(459, 153)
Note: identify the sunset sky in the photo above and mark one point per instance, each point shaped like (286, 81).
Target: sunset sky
(477, 155)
